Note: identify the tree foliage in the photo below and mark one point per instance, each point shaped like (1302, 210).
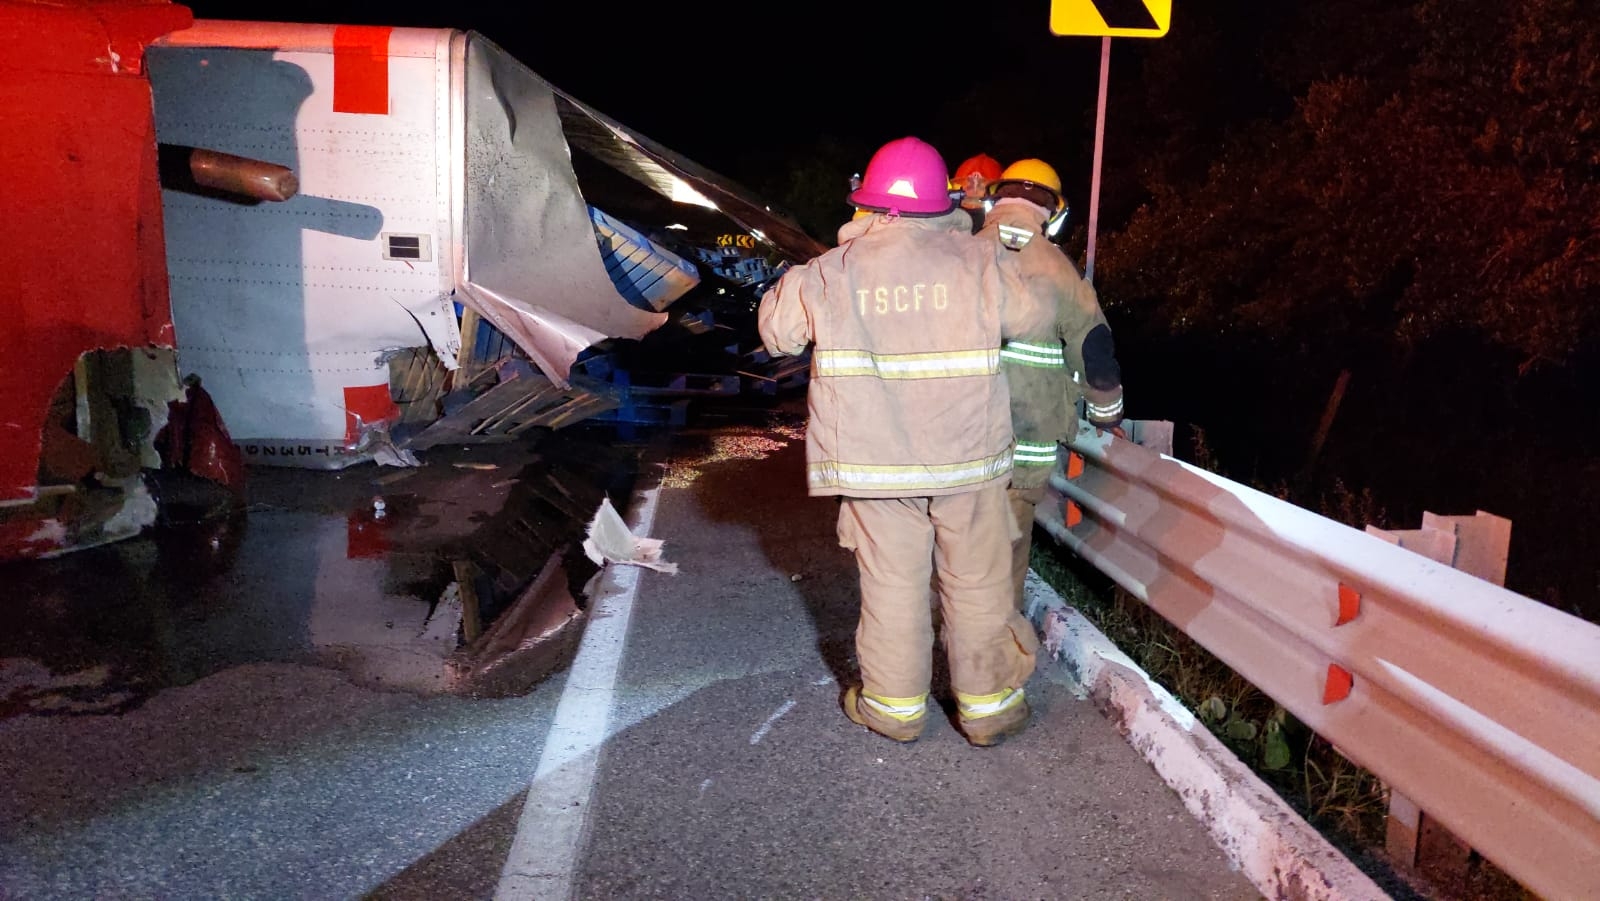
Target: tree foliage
(1436, 175)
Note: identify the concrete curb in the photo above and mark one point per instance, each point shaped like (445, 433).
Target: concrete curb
(1274, 847)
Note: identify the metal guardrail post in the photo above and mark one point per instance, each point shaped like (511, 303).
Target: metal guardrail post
(1478, 704)
(1479, 545)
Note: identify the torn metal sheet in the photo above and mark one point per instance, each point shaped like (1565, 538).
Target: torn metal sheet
(610, 541)
(194, 439)
(680, 179)
(532, 264)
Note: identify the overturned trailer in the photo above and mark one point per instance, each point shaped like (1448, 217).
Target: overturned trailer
(436, 190)
(307, 205)
(432, 173)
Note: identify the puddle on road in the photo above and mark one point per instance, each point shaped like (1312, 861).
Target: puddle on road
(93, 634)
(314, 573)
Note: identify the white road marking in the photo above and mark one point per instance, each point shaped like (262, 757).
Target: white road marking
(555, 817)
(767, 726)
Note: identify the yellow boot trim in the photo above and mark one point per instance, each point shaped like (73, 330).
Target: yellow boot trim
(902, 709)
(979, 706)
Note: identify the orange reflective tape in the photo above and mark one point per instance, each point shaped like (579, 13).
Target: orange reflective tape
(1339, 684)
(1073, 514)
(361, 69)
(1074, 465)
(1349, 604)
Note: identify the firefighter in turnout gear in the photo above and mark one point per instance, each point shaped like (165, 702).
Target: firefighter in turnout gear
(909, 425)
(1049, 369)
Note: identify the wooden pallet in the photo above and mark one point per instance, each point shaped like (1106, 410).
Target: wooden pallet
(512, 407)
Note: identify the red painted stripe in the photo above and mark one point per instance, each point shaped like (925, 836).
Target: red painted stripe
(366, 406)
(361, 69)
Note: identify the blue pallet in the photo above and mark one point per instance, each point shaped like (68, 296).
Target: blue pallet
(648, 275)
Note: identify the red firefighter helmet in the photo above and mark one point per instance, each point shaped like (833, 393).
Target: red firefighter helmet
(982, 165)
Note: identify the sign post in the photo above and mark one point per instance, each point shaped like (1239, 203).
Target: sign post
(1106, 19)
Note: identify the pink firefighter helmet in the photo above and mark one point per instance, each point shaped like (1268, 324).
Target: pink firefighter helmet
(906, 177)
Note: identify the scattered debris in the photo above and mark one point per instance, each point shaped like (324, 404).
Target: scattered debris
(526, 643)
(447, 618)
(385, 453)
(474, 465)
(521, 400)
(466, 587)
(610, 541)
(28, 686)
(394, 477)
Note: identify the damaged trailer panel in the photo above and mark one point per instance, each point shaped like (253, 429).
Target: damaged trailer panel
(83, 233)
(432, 172)
(676, 178)
(86, 275)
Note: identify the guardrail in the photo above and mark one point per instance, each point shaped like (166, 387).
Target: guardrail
(1479, 705)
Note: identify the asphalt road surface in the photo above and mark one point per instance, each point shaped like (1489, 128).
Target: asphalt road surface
(698, 752)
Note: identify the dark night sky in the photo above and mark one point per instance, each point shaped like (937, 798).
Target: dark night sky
(732, 86)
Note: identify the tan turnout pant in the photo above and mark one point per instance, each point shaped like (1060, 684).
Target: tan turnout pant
(967, 538)
(1023, 503)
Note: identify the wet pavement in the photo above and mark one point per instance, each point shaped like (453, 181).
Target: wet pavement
(256, 705)
(212, 746)
(344, 569)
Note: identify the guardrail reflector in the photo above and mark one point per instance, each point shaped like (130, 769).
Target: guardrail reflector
(1074, 465)
(1349, 604)
(1072, 514)
(1339, 684)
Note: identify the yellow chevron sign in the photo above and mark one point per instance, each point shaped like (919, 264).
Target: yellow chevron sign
(1110, 18)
